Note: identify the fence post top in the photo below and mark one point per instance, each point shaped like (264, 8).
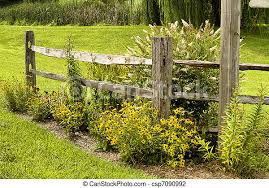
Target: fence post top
(29, 31)
(162, 37)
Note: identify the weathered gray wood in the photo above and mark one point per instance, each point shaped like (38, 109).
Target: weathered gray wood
(216, 65)
(117, 88)
(247, 99)
(50, 75)
(230, 44)
(124, 90)
(30, 59)
(244, 99)
(259, 4)
(105, 59)
(197, 63)
(252, 66)
(162, 65)
(126, 60)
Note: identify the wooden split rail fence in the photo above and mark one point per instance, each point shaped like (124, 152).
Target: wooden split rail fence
(161, 62)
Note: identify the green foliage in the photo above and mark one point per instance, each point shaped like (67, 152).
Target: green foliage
(91, 12)
(40, 106)
(39, 1)
(73, 116)
(123, 12)
(17, 95)
(117, 74)
(140, 138)
(251, 17)
(244, 140)
(189, 43)
(75, 89)
(197, 11)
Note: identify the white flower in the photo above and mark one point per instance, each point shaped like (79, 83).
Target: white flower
(198, 35)
(185, 24)
(213, 48)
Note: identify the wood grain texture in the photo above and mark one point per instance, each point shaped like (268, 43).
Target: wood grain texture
(130, 60)
(101, 85)
(244, 99)
(216, 65)
(162, 58)
(230, 44)
(104, 59)
(30, 59)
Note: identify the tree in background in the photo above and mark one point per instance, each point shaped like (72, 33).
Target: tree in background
(197, 11)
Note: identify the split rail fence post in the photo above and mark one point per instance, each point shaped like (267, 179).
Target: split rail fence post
(230, 45)
(162, 65)
(30, 63)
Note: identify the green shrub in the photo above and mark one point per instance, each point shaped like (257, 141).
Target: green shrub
(85, 13)
(189, 43)
(244, 140)
(73, 116)
(16, 96)
(40, 106)
(140, 138)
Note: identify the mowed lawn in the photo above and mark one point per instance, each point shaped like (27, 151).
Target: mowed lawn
(30, 152)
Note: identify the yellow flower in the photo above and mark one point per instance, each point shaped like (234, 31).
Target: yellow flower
(182, 163)
(178, 111)
(165, 147)
(180, 156)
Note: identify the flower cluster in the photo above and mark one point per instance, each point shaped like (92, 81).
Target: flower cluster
(141, 138)
(40, 106)
(73, 116)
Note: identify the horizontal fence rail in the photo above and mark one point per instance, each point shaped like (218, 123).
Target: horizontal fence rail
(102, 85)
(107, 59)
(104, 59)
(127, 90)
(215, 65)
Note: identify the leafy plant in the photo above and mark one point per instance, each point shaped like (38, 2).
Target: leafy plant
(75, 89)
(40, 106)
(189, 43)
(73, 117)
(141, 138)
(17, 95)
(244, 138)
(84, 13)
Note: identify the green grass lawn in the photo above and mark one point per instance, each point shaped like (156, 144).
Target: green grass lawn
(30, 152)
(255, 50)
